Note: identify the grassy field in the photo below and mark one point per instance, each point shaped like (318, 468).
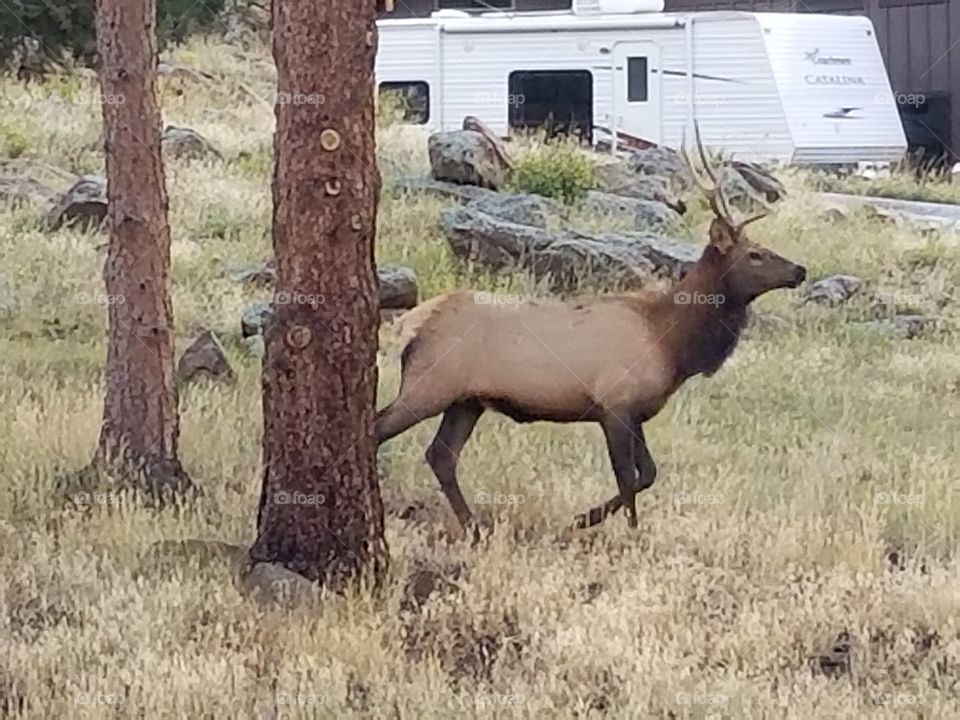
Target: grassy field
(807, 493)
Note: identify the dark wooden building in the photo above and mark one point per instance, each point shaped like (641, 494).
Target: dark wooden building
(920, 41)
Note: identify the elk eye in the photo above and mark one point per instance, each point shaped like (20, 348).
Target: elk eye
(755, 255)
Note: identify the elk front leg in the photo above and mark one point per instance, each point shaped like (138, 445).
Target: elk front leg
(620, 445)
(646, 473)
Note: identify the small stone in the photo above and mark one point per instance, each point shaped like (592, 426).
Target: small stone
(205, 357)
(255, 345)
(181, 142)
(834, 289)
(83, 205)
(273, 584)
(255, 318)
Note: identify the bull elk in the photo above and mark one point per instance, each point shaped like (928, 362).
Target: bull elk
(612, 360)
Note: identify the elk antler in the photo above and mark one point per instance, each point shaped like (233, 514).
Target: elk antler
(714, 192)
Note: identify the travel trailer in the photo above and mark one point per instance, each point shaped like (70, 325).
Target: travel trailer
(803, 89)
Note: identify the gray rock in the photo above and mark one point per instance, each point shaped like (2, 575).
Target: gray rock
(256, 317)
(275, 585)
(520, 208)
(256, 275)
(567, 258)
(466, 157)
(398, 287)
(902, 326)
(255, 345)
(24, 190)
(833, 289)
(441, 189)
(662, 162)
(398, 290)
(205, 357)
(762, 184)
(84, 204)
(181, 142)
(646, 214)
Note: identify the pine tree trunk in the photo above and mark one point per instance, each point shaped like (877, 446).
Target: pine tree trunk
(138, 439)
(320, 510)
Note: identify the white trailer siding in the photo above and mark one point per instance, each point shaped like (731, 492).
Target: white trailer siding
(838, 102)
(485, 94)
(737, 104)
(409, 53)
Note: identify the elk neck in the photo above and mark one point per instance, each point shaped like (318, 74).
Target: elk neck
(699, 319)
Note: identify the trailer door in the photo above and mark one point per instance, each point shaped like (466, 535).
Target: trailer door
(636, 91)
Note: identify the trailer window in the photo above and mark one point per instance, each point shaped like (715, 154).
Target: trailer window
(637, 79)
(559, 101)
(409, 100)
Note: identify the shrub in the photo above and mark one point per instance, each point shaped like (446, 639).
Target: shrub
(558, 170)
(65, 28)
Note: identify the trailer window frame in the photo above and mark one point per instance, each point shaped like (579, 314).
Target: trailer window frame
(404, 86)
(638, 92)
(581, 109)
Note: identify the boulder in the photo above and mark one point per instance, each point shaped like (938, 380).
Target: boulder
(24, 190)
(566, 258)
(255, 318)
(441, 189)
(264, 275)
(398, 287)
(205, 357)
(399, 290)
(466, 157)
(902, 326)
(618, 179)
(520, 208)
(834, 289)
(661, 162)
(646, 214)
(84, 204)
(272, 584)
(181, 142)
(761, 182)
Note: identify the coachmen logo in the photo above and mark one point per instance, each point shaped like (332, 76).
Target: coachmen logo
(816, 58)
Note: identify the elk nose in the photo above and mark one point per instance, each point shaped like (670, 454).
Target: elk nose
(800, 274)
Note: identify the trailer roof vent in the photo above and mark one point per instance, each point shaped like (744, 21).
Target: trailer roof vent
(616, 7)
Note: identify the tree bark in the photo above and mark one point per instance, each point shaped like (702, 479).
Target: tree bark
(139, 435)
(321, 513)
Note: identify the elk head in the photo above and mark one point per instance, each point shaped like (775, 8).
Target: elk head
(745, 269)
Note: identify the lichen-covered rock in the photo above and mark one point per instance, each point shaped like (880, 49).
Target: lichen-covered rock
(83, 205)
(181, 142)
(834, 289)
(646, 214)
(205, 358)
(466, 157)
(568, 258)
(521, 208)
(398, 287)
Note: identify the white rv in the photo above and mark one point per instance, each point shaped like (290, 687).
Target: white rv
(797, 88)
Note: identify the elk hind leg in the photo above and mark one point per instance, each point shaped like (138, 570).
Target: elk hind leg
(443, 454)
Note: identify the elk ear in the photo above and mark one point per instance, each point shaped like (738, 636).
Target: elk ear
(723, 237)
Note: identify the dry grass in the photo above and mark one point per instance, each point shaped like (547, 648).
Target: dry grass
(806, 491)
